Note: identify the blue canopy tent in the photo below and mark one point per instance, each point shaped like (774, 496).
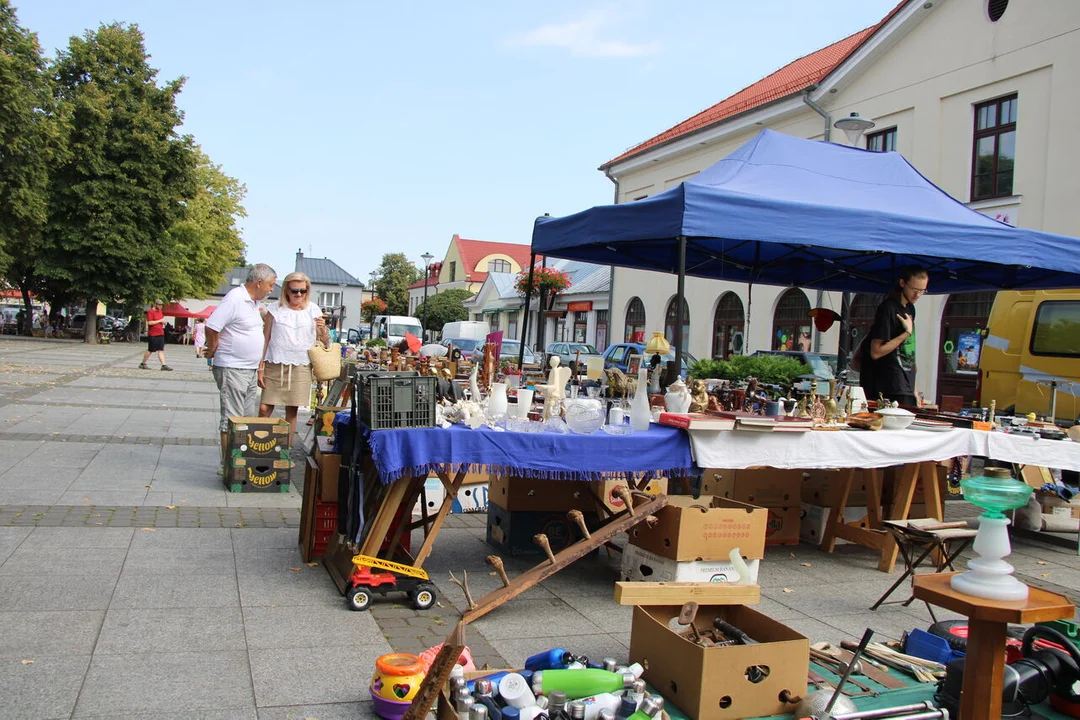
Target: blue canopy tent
(786, 211)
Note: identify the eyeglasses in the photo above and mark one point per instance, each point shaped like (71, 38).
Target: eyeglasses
(298, 291)
(917, 291)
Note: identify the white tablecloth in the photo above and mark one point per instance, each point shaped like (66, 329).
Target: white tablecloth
(845, 448)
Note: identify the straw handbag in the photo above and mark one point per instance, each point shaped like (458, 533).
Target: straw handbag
(325, 361)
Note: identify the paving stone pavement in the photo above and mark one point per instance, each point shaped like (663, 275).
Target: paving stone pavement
(133, 585)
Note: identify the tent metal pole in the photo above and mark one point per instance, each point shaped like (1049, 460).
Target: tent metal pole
(525, 314)
(843, 349)
(681, 299)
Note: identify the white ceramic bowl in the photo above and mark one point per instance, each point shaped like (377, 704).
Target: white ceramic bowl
(895, 418)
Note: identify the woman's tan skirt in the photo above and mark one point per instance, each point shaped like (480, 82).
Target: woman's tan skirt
(288, 385)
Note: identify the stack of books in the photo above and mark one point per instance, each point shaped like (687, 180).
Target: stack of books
(736, 421)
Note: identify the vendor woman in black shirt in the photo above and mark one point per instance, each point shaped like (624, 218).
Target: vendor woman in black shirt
(891, 346)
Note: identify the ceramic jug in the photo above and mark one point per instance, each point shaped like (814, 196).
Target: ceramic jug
(677, 399)
(496, 401)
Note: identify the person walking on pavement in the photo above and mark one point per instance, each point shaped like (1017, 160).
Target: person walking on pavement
(198, 336)
(292, 327)
(234, 341)
(155, 331)
(890, 351)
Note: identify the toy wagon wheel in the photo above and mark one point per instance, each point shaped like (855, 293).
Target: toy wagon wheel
(358, 598)
(424, 596)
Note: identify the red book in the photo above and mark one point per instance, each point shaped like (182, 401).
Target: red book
(696, 421)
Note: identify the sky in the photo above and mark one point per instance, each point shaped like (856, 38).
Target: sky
(362, 128)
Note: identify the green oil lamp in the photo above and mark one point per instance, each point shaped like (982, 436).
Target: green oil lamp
(989, 576)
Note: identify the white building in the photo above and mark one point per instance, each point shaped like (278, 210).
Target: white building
(333, 289)
(979, 95)
(580, 314)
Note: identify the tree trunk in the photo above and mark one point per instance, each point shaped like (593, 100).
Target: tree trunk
(90, 327)
(28, 311)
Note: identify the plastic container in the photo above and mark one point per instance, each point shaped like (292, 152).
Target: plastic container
(395, 683)
(929, 647)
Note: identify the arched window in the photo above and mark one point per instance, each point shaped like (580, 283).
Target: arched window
(729, 321)
(635, 321)
(669, 324)
(791, 325)
(962, 323)
(861, 317)
(499, 266)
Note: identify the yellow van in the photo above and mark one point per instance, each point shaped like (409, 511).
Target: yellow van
(1032, 348)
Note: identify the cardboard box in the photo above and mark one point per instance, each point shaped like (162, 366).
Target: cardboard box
(259, 478)
(512, 532)
(518, 493)
(711, 683)
(324, 419)
(782, 527)
(606, 490)
(433, 496)
(471, 499)
(329, 468)
(823, 487)
(814, 517)
(257, 437)
(640, 565)
(768, 487)
(718, 482)
(237, 459)
(688, 529)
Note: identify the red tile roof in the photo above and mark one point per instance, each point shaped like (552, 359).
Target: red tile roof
(473, 251)
(794, 77)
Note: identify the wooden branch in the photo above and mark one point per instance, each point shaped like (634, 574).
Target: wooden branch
(464, 585)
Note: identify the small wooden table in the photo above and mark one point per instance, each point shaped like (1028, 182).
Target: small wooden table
(987, 623)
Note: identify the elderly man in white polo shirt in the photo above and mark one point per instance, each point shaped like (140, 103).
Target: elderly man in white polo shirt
(234, 339)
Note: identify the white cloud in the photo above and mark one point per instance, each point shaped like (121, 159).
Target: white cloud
(582, 38)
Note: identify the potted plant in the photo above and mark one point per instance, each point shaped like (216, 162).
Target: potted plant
(547, 283)
(373, 307)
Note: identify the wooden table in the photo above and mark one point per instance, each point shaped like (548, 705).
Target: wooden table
(876, 536)
(987, 623)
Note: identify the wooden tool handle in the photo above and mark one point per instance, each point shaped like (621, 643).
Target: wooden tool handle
(943, 525)
(542, 540)
(579, 519)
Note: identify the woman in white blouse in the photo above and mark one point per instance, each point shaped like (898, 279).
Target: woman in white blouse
(290, 328)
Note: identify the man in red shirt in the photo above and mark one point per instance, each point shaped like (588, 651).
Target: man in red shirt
(155, 323)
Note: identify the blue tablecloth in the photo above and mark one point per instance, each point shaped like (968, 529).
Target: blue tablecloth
(662, 450)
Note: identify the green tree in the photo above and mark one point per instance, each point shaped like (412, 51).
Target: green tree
(207, 238)
(396, 274)
(25, 149)
(126, 174)
(444, 307)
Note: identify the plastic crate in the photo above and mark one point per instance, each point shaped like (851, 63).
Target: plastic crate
(388, 403)
(929, 647)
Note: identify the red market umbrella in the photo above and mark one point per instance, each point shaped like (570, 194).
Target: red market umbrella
(413, 341)
(175, 309)
(205, 312)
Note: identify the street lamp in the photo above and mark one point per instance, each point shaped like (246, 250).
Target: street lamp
(427, 258)
(371, 286)
(341, 320)
(854, 127)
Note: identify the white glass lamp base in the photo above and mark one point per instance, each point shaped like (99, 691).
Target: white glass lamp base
(989, 576)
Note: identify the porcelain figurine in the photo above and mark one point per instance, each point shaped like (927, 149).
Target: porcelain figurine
(699, 399)
(474, 387)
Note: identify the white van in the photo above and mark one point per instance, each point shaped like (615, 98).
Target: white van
(468, 329)
(392, 328)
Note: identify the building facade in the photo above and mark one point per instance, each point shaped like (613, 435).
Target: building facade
(333, 289)
(988, 120)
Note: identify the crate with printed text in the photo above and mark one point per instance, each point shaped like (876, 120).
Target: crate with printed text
(257, 437)
(259, 477)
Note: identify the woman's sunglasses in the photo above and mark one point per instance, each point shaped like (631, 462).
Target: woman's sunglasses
(298, 291)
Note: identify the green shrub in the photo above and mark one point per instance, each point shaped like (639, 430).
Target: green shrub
(770, 369)
(375, 342)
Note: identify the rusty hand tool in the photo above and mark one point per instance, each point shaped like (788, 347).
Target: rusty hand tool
(687, 615)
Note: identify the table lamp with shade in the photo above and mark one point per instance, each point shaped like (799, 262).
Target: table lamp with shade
(657, 345)
(989, 576)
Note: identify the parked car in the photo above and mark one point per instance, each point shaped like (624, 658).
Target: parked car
(569, 352)
(510, 349)
(357, 335)
(819, 367)
(618, 356)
